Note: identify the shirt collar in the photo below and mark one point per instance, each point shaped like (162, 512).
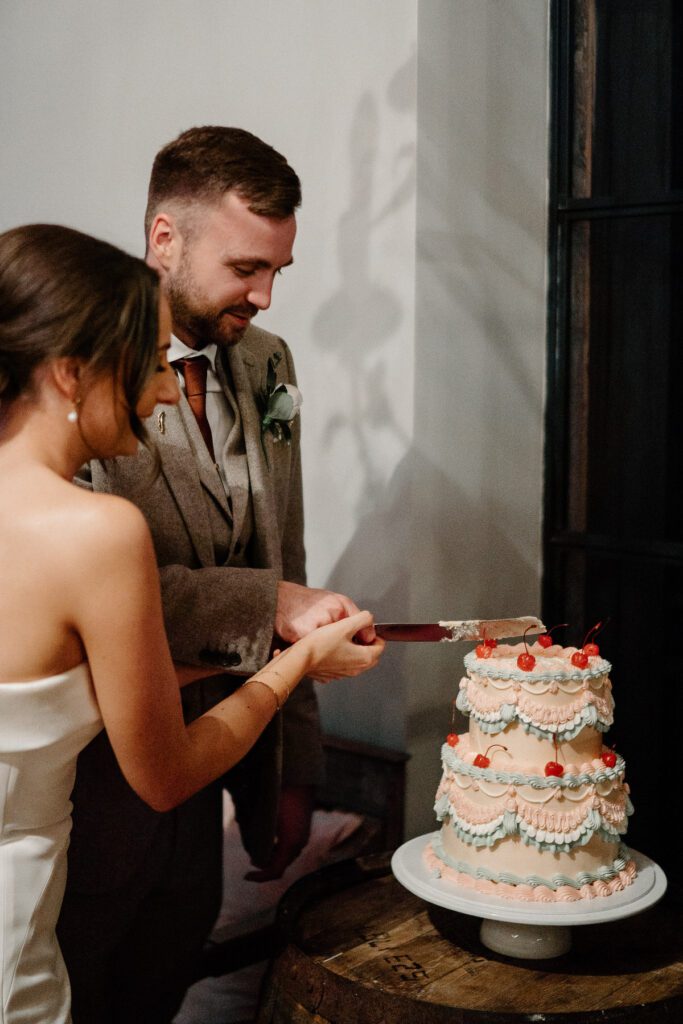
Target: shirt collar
(179, 350)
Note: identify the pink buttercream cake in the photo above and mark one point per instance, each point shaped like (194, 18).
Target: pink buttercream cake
(533, 805)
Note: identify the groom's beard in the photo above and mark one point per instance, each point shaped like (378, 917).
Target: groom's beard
(190, 312)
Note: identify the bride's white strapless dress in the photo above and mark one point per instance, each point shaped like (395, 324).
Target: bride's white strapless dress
(44, 724)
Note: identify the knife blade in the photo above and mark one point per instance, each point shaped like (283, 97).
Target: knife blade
(464, 629)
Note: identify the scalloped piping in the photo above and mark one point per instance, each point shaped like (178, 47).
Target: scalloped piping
(538, 687)
(594, 812)
(606, 881)
(505, 667)
(494, 790)
(451, 761)
(547, 845)
(549, 832)
(451, 781)
(507, 825)
(493, 716)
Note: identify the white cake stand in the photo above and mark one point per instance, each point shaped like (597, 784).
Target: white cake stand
(527, 931)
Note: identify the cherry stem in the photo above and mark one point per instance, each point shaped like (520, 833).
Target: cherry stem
(453, 714)
(524, 638)
(558, 626)
(493, 747)
(592, 633)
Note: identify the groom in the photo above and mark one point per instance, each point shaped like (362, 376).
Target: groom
(225, 511)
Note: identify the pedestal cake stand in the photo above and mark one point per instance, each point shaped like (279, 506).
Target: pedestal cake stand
(527, 931)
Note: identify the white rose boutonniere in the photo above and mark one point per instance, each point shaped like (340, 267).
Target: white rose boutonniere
(278, 404)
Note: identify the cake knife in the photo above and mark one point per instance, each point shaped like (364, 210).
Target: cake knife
(467, 629)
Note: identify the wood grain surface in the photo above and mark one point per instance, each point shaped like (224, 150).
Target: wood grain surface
(358, 948)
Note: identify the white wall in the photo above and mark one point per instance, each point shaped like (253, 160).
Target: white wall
(416, 305)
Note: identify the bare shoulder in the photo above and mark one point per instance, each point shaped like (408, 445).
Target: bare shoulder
(106, 521)
(41, 509)
(76, 529)
(63, 545)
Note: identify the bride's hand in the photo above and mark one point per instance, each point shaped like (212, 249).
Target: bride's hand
(333, 653)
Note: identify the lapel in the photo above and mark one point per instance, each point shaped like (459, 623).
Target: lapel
(235, 466)
(246, 378)
(178, 439)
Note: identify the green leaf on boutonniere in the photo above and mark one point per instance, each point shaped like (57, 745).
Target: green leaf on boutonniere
(271, 377)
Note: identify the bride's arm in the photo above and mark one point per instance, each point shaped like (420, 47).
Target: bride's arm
(119, 618)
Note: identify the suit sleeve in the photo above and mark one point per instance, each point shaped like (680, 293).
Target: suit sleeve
(215, 616)
(220, 616)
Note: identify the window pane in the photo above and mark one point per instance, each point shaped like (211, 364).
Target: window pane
(625, 458)
(628, 98)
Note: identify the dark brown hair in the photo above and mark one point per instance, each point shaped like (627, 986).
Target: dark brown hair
(204, 163)
(63, 293)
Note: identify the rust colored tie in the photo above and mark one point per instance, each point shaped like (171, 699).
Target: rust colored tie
(194, 373)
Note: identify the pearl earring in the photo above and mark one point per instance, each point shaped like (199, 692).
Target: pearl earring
(72, 416)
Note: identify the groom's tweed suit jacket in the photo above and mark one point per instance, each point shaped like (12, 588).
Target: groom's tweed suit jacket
(217, 615)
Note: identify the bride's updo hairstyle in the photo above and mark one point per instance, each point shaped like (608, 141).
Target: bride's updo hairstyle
(63, 293)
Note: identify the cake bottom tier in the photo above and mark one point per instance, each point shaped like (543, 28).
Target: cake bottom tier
(514, 870)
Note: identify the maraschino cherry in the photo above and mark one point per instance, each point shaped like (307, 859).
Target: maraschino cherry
(526, 661)
(486, 647)
(591, 649)
(554, 767)
(482, 760)
(579, 659)
(545, 639)
(453, 739)
(609, 758)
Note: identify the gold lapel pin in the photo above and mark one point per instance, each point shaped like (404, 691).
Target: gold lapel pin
(161, 422)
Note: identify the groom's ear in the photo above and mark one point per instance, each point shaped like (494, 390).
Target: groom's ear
(164, 242)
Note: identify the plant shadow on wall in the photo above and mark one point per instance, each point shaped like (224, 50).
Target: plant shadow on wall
(357, 323)
(488, 169)
(418, 542)
(357, 326)
(362, 314)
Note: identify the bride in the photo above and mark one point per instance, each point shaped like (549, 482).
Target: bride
(84, 333)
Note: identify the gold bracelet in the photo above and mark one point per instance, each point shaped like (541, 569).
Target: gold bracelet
(267, 668)
(278, 705)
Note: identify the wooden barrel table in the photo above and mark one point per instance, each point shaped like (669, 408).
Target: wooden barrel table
(358, 948)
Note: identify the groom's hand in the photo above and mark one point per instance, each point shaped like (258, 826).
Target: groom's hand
(300, 610)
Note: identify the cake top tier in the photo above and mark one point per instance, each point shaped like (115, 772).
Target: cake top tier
(550, 663)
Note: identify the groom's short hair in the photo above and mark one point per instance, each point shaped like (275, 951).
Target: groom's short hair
(204, 163)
